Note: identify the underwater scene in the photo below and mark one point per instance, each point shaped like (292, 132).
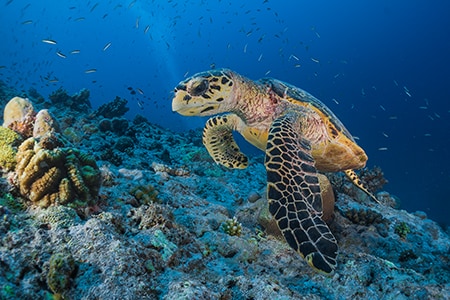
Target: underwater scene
(224, 149)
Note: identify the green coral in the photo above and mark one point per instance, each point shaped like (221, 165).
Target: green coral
(62, 268)
(8, 139)
(232, 227)
(402, 229)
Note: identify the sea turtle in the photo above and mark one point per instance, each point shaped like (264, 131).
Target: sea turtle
(300, 137)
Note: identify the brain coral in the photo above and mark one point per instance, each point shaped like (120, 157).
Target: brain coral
(49, 175)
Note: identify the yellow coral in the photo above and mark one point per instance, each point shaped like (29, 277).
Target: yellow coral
(8, 139)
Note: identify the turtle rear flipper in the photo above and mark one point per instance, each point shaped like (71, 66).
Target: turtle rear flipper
(358, 183)
(293, 192)
(219, 141)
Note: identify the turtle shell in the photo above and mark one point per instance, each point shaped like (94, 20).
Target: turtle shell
(298, 96)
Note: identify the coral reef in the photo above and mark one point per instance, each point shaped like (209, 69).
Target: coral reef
(9, 139)
(53, 175)
(78, 102)
(19, 116)
(129, 246)
(115, 108)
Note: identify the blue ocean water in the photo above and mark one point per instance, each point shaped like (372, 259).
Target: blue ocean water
(381, 66)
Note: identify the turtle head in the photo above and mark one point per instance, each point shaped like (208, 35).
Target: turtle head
(204, 94)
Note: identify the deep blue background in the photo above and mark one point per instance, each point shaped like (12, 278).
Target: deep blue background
(369, 53)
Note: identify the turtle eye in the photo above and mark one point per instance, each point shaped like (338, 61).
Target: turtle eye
(199, 88)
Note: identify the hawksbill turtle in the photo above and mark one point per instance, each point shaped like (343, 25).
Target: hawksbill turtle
(300, 136)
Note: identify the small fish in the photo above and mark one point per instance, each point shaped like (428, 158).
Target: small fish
(107, 46)
(382, 107)
(335, 101)
(385, 134)
(186, 74)
(297, 65)
(75, 51)
(395, 82)
(131, 4)
(315, 60)
(423, 107)
(27, 22)
(49, 41)
(382, 148)
(53, 81)
(318, 35)
(427, 134)
(146, 29)
(90, 71)
(140, 91)
(337, 75)
(93, 7)
(245, 48)
(137, 22)
(61, 54)
(407, 93)
(80, 19)
(267, 73)
(393, 118)
(260, 57)
(294, 57)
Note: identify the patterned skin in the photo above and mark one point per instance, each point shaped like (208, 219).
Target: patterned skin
(300, 137)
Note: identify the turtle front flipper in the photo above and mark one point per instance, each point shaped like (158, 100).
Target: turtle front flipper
(293, 192)
(218, 140)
